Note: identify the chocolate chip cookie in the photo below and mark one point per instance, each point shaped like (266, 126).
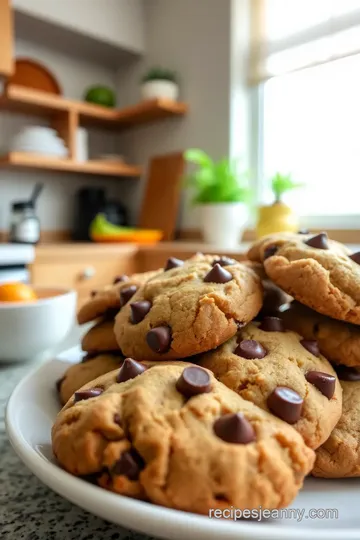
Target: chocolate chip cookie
(188, 309)
(100, 338)
(281, 373)
(175, 436)
(110, 299)
(263, 248)
(318, 274)
(90, 368)
(339, 456)
(338, 341)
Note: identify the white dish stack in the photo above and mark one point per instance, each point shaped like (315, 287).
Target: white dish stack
(39, 140)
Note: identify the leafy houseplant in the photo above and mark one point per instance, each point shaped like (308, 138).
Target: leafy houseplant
(280, 184)
(160, 83)
(222, 193)
(278, 217)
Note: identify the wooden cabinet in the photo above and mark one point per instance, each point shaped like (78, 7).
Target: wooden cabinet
(6, 38)
(80, 267)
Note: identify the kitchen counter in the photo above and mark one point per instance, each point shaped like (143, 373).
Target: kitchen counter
(28, 509)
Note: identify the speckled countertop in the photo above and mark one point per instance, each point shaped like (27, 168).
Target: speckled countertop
(28, 509)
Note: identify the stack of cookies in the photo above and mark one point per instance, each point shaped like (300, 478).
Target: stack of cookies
(323, 277)
(212, 398)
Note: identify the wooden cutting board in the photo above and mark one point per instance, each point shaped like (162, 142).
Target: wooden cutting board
(32, 74)
(162, 194)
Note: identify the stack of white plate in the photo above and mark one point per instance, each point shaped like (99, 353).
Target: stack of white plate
(39, 140)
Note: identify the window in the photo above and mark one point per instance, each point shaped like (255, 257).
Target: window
(310, 102)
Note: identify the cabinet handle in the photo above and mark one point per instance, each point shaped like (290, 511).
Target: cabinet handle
(88, 273)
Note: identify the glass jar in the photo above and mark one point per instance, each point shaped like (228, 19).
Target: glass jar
(24, 225)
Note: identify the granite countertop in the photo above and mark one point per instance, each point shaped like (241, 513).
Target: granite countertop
(28, 509)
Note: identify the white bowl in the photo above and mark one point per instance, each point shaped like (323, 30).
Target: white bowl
(30, 330)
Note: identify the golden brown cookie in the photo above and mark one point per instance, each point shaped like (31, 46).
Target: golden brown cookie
(256, 250)
(110, 298)
(339, 456)
(100, 338)
(261, 248)
(79, 374)
(187, 310)
(175, 436)
(338, 341)
(321, 274)
(281, 373)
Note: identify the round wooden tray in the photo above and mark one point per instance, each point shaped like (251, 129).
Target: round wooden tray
(32, 74)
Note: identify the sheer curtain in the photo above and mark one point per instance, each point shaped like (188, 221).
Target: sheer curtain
(288, 35)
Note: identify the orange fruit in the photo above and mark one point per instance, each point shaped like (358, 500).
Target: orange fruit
(16, 292)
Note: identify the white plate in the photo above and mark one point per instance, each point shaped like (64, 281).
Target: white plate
(30, 413)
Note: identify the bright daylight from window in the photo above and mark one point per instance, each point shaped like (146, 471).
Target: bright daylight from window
(311, 129)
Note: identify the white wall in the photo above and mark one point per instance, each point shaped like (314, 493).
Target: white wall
(192, 37)
(119, 22)
(56, 203)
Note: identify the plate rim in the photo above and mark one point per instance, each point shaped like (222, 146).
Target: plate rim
(71, 488)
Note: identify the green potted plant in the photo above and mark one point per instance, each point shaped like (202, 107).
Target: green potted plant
(278, 217)
(221, 191)
(160, 83)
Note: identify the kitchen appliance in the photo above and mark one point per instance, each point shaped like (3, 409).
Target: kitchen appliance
(13, 262)
(90, 202)
(25, 225)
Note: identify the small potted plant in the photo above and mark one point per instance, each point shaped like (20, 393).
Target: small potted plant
(160, 83)
(278, 217)
(222, 194)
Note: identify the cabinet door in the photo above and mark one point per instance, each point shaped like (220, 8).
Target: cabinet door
(6, 38)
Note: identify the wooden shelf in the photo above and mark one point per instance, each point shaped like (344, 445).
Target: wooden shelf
(35, 161)
(28, 101)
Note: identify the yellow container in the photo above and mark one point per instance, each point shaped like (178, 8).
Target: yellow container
(276, 218)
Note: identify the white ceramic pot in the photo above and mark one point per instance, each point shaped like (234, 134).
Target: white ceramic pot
(160, 89)
(223, 224)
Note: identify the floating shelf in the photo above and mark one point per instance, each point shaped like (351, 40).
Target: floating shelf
(28, 101)
(35, 161)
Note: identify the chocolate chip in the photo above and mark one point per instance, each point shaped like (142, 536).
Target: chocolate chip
(322, 381)
(110, 314)
(224, 261)
(234, 428)
(93, 293)
(87, 394)
(159, 339)
(274, 301)
(126, 294)
(193, 381)
(347, 373)
(59, 383)
(286, 404)
(320, 241)
(250, 349)
(272, 324)
(120, 279)
(129, 465)
(355, 257)
(270, 251)
(173, 262)
(139, 310)
(311, 345)
(129, 370)
(316, 328)
(304, 231)
(90, 355)
(218, 274)
(117, 419)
